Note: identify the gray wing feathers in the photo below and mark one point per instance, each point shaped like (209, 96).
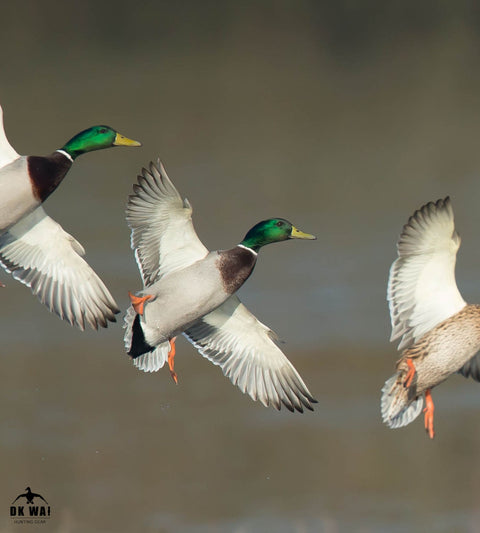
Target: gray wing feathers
(154, 360)
(128, 325)
(397, 410)
(40, 254)
(232, 338)
(162, 233)
(422, 290)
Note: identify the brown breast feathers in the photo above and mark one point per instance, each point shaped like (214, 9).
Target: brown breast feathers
(235, 267)
(46, 173)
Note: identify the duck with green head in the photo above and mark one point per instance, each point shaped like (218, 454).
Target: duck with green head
(189, 290)
(33, 247)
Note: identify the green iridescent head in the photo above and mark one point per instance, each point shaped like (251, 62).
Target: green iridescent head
(272, 230)
(96, 138)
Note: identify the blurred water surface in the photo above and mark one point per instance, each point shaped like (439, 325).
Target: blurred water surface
(342, 117)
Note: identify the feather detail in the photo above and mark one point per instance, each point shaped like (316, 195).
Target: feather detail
(422, 291)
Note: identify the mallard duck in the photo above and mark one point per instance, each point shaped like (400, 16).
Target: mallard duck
(189, 290)
(33, 247)
(439, 332)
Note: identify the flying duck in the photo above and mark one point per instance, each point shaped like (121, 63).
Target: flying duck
(439, 332)
(33, 247)
(189, 290)
(29, 496)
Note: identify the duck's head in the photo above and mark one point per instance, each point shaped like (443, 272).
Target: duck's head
(272, 230)
(96, 138)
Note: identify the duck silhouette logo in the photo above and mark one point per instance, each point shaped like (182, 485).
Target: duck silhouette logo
(29, 495)
(31, 510)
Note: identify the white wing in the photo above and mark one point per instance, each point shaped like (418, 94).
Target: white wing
(40, 254)
(232, 338)
(7, 153)
(422, 291)
(162, 236)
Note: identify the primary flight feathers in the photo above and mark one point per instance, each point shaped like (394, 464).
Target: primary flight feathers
(422, 290)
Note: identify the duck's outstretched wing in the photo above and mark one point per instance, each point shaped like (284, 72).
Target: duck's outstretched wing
(7, 153)
(422, 291)
(39, 496)
(244, 348)
(162, 232)
(40, 254)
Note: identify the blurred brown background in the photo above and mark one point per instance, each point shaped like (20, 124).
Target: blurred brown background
(341, 116)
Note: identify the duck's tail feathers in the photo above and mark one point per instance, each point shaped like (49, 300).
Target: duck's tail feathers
(128, 321)
(153, 360)
(145, 357)
(398, 409)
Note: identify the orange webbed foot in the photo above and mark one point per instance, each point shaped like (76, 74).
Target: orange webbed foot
(429, 409)
(410, 374)
(138, 302)
(171, 356)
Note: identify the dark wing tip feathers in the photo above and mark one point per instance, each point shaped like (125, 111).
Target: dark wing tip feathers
(152, 184)
(421, 214)
(428, 209)
(416, 224)
(293, 394)
(41, 289)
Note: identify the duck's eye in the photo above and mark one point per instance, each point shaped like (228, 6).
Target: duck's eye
(102, 130)
(279, 223)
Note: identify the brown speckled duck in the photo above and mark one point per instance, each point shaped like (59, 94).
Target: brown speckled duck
(440, 333)
(33, 247)
(189, 290)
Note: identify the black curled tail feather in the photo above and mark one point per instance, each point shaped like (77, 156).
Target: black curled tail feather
(138, 345)
(145, 357)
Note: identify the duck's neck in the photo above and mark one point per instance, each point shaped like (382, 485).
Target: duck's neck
(46, 173)
(254, 252)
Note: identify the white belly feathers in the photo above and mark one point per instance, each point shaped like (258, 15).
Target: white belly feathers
(16, 194)
(194, 289)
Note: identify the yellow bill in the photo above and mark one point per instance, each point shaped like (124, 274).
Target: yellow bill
(297, 234)
(121, 140)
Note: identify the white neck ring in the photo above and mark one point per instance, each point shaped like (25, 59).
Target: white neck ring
(66, 154)
(247, 248)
